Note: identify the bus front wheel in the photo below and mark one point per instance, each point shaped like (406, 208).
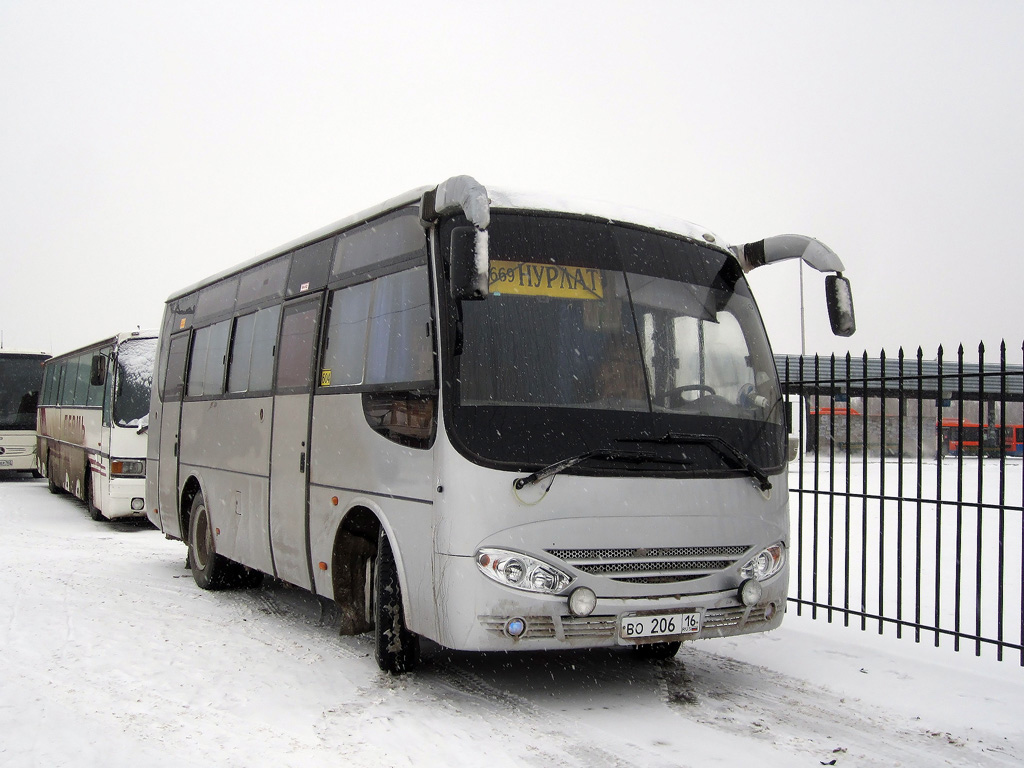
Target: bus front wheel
(396, 649)
(94, 511)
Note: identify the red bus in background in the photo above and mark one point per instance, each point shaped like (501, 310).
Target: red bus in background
(969, 438)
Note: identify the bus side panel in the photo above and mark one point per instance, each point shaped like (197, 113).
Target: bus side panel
(361, 468)
(232, 436)
(74, 448)
(46, 421)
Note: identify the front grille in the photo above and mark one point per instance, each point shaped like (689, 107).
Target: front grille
(601, 628)
(655, 565)
(536, 626)
(718, 618)
(573, 627)
(595, 627)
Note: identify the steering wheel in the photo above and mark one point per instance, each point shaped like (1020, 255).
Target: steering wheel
(672, 395)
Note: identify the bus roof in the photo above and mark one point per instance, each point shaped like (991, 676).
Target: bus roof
(500, 199)
(23, 353)
(116, 339)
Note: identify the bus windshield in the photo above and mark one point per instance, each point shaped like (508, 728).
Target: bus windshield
(596, 334)
(20, 379)
(134, 376)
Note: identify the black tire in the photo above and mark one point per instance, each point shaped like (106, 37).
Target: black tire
(657, 651)
(52, 486)
(396, 649)
(94, 511)
(210, 570)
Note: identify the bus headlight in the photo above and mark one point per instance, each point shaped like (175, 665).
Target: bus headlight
(128, 467)
(765, 563)
(514, 569)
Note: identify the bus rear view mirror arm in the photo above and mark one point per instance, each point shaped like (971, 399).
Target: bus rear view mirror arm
(838, 296)
(782, 247)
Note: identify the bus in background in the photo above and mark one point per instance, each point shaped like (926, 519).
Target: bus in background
(493, 420)
(21, 376)
(969, 438)
(93, 416)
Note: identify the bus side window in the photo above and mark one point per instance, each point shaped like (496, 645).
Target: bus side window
(345, 351)
(206, 372)
(298, 337)
(399, 348)
(399, 356)
(241, 353)
(83, 368)
(174, 372)
(264, 338)
(251, 361)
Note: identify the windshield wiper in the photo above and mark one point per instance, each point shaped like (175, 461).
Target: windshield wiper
(719, 445)
(640, 457)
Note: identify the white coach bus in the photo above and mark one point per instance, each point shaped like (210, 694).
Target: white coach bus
(21, 376)
(93, 416)
(492, 420)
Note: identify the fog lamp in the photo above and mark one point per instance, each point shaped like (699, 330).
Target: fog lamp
(138, 504)
(750, 592)
(582, 602)
(515, 627)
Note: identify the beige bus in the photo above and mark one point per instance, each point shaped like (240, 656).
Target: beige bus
(92, 421)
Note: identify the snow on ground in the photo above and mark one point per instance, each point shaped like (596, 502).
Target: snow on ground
(112, 656)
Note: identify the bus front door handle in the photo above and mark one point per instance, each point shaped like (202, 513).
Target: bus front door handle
(302, 462)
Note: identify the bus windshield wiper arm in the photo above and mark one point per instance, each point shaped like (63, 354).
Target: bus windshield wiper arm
(572, 461)
(719, 445)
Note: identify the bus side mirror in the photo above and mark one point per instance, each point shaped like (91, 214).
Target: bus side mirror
(839, 299)
(469, 264)
(98, 371)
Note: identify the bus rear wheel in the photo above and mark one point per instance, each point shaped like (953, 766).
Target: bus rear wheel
(50, 484)
(396, 649)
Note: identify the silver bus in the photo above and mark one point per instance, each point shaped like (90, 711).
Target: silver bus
(496, 421)
(93, 416)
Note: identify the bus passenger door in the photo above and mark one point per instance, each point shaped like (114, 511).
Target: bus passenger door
(172, 385)
(289, 452)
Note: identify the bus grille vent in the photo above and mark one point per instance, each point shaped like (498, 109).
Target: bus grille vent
(595, 627)
(717, 618)
(657, 565)
(536, 626)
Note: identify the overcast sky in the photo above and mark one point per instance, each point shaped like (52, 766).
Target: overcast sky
(145, 146)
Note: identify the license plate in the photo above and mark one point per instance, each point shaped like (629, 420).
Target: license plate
(633, 628)
(6, 462)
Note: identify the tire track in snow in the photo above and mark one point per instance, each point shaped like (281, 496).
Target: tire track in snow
(463, 691)
(755, 702)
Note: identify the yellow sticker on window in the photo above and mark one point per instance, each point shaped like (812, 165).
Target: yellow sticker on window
(522, 278)
(325, 378)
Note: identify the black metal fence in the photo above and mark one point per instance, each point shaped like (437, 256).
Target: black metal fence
(906, 487)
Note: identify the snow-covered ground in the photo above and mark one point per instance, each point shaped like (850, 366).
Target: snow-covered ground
(111, 656)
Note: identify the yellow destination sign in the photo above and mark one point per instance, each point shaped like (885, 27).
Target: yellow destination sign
(522, 278)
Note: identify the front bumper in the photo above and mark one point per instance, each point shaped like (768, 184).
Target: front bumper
(477, 610)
